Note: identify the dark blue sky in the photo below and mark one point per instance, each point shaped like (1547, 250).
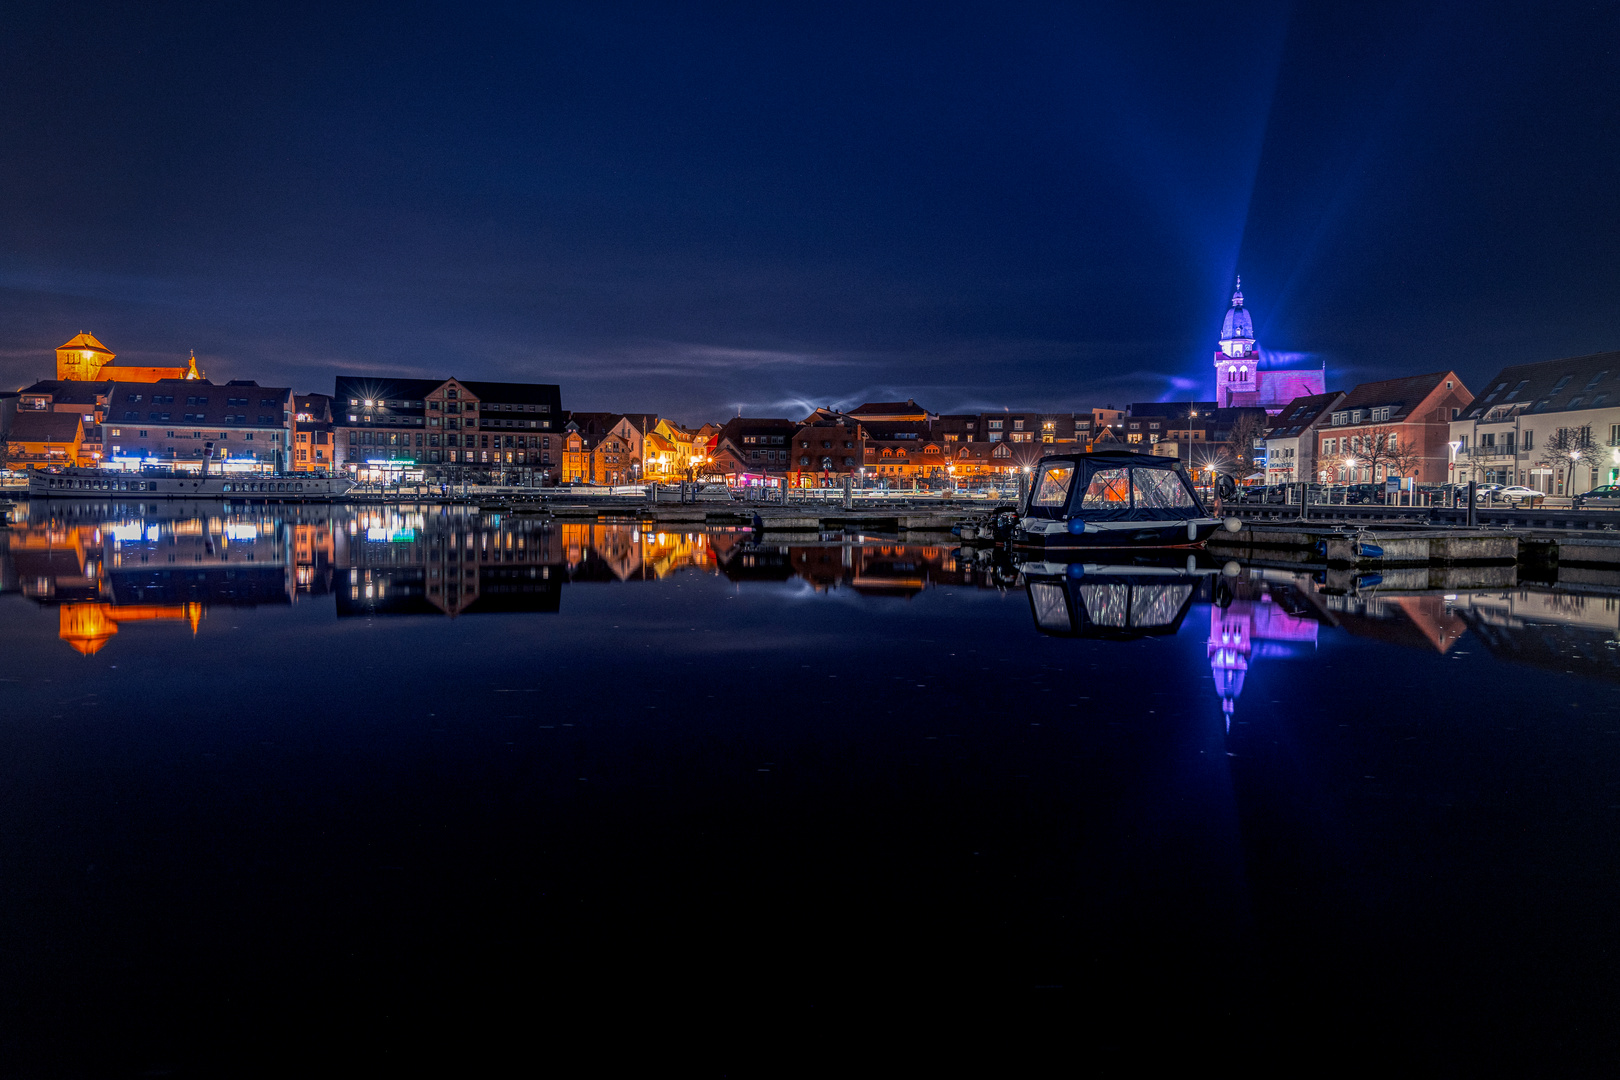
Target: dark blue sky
(687, 208)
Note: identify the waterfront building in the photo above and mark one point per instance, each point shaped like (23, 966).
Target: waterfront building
(874, 413)
(84, 359)
(1291, 441)
(669, 451)
(753, 451)
(825, 451)
(312, 434)
(38, 440)
(617, 442)
(179, 423)
(607, 454)
(1392, 428)
(985, 460)
(447, 430)
(1503, 436)
(1246, 376)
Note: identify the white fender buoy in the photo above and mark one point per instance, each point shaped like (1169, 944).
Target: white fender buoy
(1192, 530)
(1234, 524)
(1232, 569)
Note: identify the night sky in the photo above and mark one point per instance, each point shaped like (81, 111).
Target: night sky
(690, 208)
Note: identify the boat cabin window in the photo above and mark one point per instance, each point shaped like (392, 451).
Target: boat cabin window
(1053, 489)
(1051, 607)
(1161, 489)
(1108, 488)
(1108, 604)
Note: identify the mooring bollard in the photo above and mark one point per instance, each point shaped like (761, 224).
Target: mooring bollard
(849, 497)
(1473, 518)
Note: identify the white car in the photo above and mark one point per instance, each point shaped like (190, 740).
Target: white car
(1518, 493)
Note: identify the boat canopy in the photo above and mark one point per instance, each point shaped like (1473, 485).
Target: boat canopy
(1113, 486)
(1112, 603)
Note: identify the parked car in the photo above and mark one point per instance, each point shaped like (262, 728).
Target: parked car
(1518, 493)
(1364, 494)
(1606, 496)
(1262, 494)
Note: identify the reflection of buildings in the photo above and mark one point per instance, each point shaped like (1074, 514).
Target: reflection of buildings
(870, 568)
(104, 575)
(87, 627)
(397, 561)
(1559, 631)
(1266, 619)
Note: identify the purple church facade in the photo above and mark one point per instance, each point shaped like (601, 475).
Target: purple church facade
(1246, 377)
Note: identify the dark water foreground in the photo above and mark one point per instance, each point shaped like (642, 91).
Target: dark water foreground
(359, 782)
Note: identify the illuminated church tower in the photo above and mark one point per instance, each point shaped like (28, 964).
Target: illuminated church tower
(84, 359)
(1243, 377)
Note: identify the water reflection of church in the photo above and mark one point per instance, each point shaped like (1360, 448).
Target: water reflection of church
(1265, 619)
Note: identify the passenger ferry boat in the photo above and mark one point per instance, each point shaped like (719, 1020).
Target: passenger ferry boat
(98, 484)
(1112, 499)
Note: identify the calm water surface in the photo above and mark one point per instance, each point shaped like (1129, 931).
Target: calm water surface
(279, 776)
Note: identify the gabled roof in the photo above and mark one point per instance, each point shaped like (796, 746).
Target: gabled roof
(511, 393)
(1543, 386)
(84, 343)
(896, 410)
(37, 425)
(1405, 394)
(743, 426)
(384, 389)
(1302, 412)
(69, 391)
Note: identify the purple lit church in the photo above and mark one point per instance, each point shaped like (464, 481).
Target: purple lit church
(1245, 376)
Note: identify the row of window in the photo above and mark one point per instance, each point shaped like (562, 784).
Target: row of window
(403, 438)
(1379, 415)
(130, 416)
(140, 433)
(203, 399)
(451, 405)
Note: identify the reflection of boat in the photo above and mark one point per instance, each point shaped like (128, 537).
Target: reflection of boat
(96, 484)
(1100, 601)
(1113, 499)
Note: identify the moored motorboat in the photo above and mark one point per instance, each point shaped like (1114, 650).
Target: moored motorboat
(1072, 599)
(1113, 499)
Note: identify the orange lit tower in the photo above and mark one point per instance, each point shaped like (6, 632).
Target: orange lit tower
(82, 359)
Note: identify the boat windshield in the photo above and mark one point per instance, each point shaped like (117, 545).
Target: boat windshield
(1160, 489)
(1051, 608)
(1053, 489)
(1107, 604)
(1158, 605)
(1110, 488)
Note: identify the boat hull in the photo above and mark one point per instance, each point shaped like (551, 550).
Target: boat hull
(93, 484)
(1113, 535)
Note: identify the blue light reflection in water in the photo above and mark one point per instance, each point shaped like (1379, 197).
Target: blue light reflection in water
(311, 770)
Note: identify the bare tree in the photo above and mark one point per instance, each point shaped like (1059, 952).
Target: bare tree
(1249, 428)
(1402, 457)
(1344, 462)
(1569, 450)
(1372, 449)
